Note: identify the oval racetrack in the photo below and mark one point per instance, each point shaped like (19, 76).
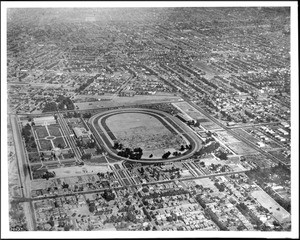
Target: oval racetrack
(105, 136)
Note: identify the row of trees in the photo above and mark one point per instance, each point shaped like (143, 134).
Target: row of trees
(207, 149)
(29, 139)
(64, 103)
(50, 107)
(136, 153)
(72, 115)
(83, 86)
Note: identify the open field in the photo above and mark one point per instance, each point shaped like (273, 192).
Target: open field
(195, 114)
(207, 69)
(241, 148)
(122, 101)
(259, 160)
(269, 203)
(142, 130)
(246, 135)
(225, 137)
(280, 156)
(189, 110)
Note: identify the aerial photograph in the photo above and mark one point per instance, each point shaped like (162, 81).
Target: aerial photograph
(149, 119)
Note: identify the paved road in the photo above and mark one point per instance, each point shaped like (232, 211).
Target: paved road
(68, 137)
(133, 185)
(24, 173)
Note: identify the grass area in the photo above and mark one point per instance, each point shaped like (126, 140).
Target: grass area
(59, 141)
(95, 160)
(121, 101)
(54, 130)
(247, 135)
(41, 132)
(241, 148)
(45, 144)
(142, 130)
(33, 157)
(226, 137)
(260, 160)
(279, 155)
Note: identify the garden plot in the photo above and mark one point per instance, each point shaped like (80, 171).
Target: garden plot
(54, 130)
(41, 131)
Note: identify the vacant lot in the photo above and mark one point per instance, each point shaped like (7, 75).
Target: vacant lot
(142, 130)
(269, 203)
(226, 137)
(241, 148)
(107, 101)
(280, 156)
(246, 135)
(195, 114)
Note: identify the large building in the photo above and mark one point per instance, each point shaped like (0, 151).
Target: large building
(81, 132)
(44, 120)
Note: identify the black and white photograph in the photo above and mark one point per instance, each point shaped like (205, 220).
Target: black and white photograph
(176, 118)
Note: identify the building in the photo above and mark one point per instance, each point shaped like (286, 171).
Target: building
(81, 132)
(44, 120)
(127, 93)
(184, 117)
(285, 124)
(285, 133)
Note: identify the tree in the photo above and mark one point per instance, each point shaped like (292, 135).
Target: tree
(86, 156)
(92, 208)
(50, 107)
(67, 228)
(99, 151)
(116, 145)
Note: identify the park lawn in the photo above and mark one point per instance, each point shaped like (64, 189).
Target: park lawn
(41, 132)
(45, 144)
(59, 140)
(33, 157)
(54, 131)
